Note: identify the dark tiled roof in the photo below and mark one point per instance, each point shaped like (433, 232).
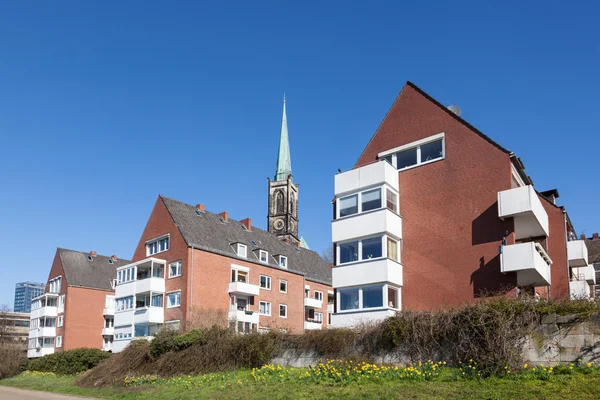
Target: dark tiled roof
(593, 246)
(97, 273)
(208, 232)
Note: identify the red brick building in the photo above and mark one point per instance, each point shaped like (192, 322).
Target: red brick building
(464, 202)
(77, 307)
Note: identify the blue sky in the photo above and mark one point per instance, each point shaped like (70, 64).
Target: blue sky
(105, 105)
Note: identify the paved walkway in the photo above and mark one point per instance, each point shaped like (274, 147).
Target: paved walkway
(8, 393)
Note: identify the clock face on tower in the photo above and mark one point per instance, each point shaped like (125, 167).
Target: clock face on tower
(292, 227)
(278, 224)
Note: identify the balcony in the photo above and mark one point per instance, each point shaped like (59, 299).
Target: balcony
(48, 311)
(330, 308)
(367, 272)
(40, 352)
(529, 261)
(366, 224)
(580, 290)
(123, 318)
(107, 347)
(577, 253)
(313, 326)
(149, 276)
(109, 306)
(109, 311)
(149, 315)
(153, 284)
(243, 289)
(524, 205)
(309, 302)
(45, 331)
(243, 316)
(370, 175)
(587, 274)
(108, 331)
(353, 319)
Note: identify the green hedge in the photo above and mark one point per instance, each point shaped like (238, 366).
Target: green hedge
(68, 362)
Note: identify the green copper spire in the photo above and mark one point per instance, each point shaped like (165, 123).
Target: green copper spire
(284, 161)
(303, 243)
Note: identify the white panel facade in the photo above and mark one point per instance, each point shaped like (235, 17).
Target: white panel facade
(348, 320)
(366, 224)
(365, 273)
(371, 175)
(149, 315)
(153, 284)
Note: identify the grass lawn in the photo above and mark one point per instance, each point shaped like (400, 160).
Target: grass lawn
(239, 385)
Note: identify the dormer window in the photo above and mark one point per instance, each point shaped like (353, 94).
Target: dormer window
(241, 250)
(283, 261)
(263, 256)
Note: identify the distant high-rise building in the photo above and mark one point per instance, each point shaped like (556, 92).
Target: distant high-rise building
(24, 292)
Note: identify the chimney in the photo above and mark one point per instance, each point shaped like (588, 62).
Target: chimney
(224, 215)
(114, 257)
(298, 244)
(582, 237)
(595, 236)
(93, 253)
(247, 223)
(200, 207)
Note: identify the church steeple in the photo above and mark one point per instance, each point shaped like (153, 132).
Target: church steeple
(283, 193)
(284, 161)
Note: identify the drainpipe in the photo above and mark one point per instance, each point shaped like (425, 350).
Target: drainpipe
(567, 255)
(191, 282)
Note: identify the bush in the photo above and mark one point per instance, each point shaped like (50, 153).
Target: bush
(11, 358)
(164, 341)
(194, 336)
(69, 362)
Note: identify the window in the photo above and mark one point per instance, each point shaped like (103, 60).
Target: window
(416, 153)
(174, 299)
(393, 299)
(55, 285)
(348, 205)
(319, 317)
(34, 323)
(239, 276)
(175, 269)
(348, 299)
(283, 311)
(348, 252)
(371, 248)
(59, 341)
(265, 282)
(60, 321)
(318, 295)
(242, 250)
(157, 300)
(392, 249)
(263, 256)
(283, 286)
(126, 303)
(372, 296)
(371, 200)
(157, 246)
(49, 342)
(126, 275)
(264, 308)
(391, 201)
(173, 325)
(283, 261)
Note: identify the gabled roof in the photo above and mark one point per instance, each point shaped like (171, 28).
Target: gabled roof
(593, 246)
(97, 273)
(207, 231)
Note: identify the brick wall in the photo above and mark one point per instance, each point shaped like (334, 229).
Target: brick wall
(83, 318)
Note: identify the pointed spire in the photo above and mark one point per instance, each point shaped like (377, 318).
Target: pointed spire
(284, 161)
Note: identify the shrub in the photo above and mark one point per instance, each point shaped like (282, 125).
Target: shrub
(194, 336)
(69, 361)
(11, 358)
(164, 341)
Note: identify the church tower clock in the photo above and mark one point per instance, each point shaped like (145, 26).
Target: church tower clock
(283, 193)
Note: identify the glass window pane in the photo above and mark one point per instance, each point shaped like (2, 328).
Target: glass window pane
(371, 200)
(392, 249)
(348, 299)
(388, 159)
(373, 296)
(371, 248)
(392, 297)
(348, 252)
(349, 205)
(431, 151)
(406, 158)
(391, 201)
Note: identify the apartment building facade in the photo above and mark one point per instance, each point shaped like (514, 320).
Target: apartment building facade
(14, 328)
(436, 214)
(593, 247)
(75, 309)
(24, 292)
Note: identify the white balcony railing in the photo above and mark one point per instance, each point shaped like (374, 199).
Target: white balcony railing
(524, 205)
(243, 316)
(364, 224)
(371, 175)
(346, 320)
(309, 302)
(587, 274)
(149, 315)
(529, 261)
(107, 346)
(244, 289)
(313, 326)
(108, 331)
(367, 272)
(47, 311)
(153, 284)
(579, 290)
(330, 308)
(40, 352)
(578, 253)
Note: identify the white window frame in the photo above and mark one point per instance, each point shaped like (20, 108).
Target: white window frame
(416, 144)
(319, 296)
(267, 282)
(267, 305)
(60, 321)
(179, 269)
(238, 268)
(384, 189)
(121, 304)
(385, 300)
(286, 311)
(169, 301)
(263, 254)
(318, 319)
(126, 275)
(55, 284)
(238, 250)
(286, 286)
(58, 341)
(157, 241)
(282, 259)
